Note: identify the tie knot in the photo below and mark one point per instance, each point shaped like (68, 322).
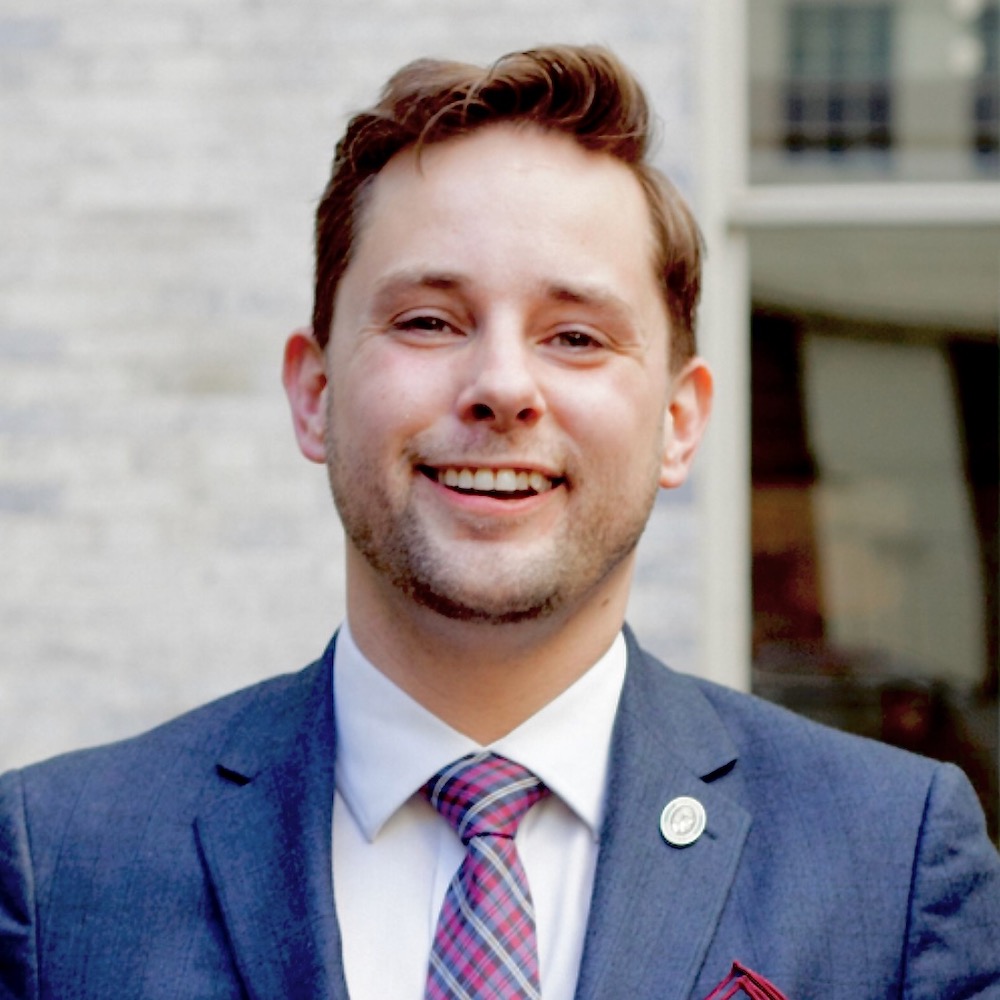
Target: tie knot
(484, 794)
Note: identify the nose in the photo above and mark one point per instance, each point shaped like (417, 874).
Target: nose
(501, 389)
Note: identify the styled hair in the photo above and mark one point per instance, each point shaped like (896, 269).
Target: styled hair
(584, 92)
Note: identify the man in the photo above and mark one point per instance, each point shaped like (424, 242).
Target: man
(499, 375)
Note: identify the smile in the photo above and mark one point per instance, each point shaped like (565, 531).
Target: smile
(508, 482)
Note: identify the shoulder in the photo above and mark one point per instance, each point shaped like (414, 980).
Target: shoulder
(844, 831)
(778, 762)
(879, 817)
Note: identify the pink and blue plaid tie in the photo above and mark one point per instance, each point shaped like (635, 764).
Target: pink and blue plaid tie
(484, 947)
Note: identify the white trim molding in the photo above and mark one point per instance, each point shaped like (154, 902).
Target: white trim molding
(891, 203)
(723, 477)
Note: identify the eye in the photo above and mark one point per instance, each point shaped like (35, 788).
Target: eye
(430, 324)
(576, 340)
(426, 326)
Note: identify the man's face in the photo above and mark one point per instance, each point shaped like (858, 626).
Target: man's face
(498, 411)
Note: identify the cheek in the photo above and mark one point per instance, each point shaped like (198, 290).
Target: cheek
(621, 418)
(384, 399)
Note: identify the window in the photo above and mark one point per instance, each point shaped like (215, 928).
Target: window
(864, 91)
(838, 92)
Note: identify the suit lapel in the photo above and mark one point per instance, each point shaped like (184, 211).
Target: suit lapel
(266, 845)
(655, 907)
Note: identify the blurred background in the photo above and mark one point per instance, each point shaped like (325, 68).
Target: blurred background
(162, 541)
(874, 288)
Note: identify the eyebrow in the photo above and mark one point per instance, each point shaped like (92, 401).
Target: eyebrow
(593, 296)
(387, 288)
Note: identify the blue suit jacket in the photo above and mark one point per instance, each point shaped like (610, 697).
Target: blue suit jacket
(195, 861)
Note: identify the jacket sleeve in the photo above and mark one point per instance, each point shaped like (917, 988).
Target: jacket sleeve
(953, 944)
(18, 939)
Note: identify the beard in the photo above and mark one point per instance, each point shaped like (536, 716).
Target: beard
(482, 580)
(407, 560)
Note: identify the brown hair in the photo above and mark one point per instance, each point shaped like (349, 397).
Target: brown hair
(584, 92)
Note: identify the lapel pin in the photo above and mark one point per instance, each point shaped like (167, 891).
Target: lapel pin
(682, 821)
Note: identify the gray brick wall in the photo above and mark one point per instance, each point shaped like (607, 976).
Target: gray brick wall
(161, 540)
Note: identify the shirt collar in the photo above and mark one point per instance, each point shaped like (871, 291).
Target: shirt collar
(388, 745)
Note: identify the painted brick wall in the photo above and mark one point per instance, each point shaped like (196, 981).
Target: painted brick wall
(161, 540)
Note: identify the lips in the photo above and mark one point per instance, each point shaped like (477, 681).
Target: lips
(501, 481)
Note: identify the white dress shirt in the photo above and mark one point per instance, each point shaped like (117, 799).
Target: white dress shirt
(394, 856)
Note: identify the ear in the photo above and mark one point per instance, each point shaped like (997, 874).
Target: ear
(304, 378)
(685, 420)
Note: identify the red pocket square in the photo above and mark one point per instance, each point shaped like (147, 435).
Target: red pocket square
(742, 980)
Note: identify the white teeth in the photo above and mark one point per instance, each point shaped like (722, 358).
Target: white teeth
(494, 480)
(505, 481)
(538, 482)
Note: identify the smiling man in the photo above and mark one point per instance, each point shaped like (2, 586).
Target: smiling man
(492, 349)
(485, 788)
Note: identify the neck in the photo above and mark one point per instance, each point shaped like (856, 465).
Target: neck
(483, 679)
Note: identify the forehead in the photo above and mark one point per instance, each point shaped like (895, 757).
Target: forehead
(517, 161)
(508, 201)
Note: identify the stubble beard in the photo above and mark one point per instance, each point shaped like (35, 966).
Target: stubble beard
(404, 553)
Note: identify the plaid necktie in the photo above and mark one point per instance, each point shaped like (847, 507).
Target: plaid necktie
(484, 947)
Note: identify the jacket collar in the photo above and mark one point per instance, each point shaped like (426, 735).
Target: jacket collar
(266, 840)
(655, 906)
